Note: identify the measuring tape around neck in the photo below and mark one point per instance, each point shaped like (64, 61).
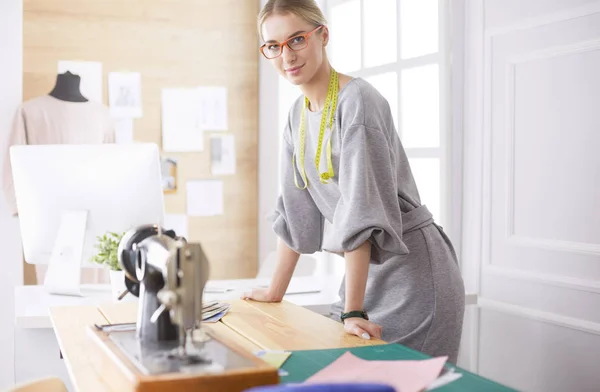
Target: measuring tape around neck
(326, 123)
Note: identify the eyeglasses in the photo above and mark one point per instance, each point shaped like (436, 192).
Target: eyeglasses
(295, 43)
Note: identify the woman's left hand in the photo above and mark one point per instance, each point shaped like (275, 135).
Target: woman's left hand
(362, 328)
(260, 295)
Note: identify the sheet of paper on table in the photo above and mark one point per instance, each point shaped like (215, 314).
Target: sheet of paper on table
(275, 358)
(403, 375)
(214, 311)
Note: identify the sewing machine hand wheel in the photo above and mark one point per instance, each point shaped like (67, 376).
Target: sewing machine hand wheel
(129, 257)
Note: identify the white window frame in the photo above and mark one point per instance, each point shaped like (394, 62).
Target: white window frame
(448, 185)
(450, 147)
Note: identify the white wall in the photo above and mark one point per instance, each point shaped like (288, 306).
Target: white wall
(268, 149)
(530, 222)
(11, 71)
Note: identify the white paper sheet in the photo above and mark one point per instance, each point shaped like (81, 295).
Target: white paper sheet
(181, 130)
(177, 222)
(204, 197)
(222, 154)
(403, 375)
(213, 108)
(123, 131)
(91, 77)
(125, 94)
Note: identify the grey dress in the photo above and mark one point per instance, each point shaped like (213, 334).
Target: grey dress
(414, 288)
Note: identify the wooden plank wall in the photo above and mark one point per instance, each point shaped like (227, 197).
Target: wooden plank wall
(172, 43)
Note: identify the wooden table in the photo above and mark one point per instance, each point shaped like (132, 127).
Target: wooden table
(252, 325)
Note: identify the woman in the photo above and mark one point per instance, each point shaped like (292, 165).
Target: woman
(343, 162)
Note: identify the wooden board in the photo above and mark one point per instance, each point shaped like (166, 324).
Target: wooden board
(285, 326)
(70, 325)
(330, 334)
(120, 373)
(125, 312)
(188, 43)
(259, 325)
(249, 326)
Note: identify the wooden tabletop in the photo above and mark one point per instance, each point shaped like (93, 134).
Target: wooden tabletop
(251, 325)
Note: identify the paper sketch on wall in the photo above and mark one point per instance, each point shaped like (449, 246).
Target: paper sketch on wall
(125, 94)
(168, 167)
(222, 154)
(213, 108)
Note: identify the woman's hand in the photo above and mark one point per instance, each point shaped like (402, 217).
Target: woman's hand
(362, 328)
(261, 295)
(287, 260)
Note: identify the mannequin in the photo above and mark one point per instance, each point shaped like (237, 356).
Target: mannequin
(63, 116)
(67, 88)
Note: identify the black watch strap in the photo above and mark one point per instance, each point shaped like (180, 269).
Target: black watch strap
(354, 313)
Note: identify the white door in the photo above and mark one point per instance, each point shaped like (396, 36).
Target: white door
(531, 243)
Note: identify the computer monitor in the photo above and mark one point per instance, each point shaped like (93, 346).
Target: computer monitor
(67, 195)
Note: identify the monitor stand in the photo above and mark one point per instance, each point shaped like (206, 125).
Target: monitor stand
(63, 276)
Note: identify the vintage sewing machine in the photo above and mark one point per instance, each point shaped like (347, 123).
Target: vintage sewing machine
(167, 347)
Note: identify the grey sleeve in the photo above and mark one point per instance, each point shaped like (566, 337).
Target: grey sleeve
(369, 206)
(297, 220)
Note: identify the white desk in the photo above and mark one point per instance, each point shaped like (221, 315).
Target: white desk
(36, 349)
(32, 302)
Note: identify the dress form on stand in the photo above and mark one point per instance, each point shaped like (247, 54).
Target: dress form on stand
(67, 88)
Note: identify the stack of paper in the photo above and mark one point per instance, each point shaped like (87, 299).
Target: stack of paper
(403, 375)
(214, 311)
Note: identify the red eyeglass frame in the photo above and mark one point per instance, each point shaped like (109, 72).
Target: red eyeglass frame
(285, 43)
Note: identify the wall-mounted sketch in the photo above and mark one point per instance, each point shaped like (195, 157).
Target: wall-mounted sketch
(125, 94)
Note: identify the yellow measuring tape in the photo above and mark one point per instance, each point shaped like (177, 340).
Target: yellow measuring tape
(327, 117)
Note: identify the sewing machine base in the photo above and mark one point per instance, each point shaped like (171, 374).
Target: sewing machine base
(151, 358)
(210, 365)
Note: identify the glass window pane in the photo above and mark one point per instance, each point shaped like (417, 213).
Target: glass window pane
(380, 32)
(426, 172)
(420, 112)
(418, 27)
(387, 84)
(288, 93)
(345, 41)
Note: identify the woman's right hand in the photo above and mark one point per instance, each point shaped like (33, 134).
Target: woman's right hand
(362, 328)
(261, 295)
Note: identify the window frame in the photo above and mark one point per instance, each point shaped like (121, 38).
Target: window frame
(442, 58)
(450, 142)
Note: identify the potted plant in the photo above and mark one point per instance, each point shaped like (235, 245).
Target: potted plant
(106, 254)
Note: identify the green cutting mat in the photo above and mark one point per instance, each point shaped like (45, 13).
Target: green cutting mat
(304, 363)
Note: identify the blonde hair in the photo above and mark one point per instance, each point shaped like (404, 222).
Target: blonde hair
(305, 9)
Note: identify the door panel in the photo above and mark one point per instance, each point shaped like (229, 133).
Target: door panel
(520, 353)
(543, 131)
(532, 139)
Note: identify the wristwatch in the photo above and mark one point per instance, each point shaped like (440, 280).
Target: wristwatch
(354, 313)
